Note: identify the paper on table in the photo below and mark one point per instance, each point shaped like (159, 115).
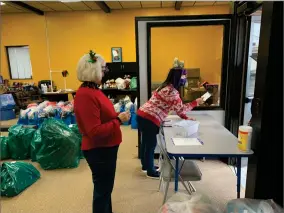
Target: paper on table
(206, 96)
(186, 142)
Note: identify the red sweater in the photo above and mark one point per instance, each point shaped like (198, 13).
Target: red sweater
(162, 102)
(96, 119)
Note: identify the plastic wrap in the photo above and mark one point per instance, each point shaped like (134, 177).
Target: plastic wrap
(5, 154)
(19, 141)
(183, 203)
(16, 177)
(253, 206)
(35, 144)
(75, 129)
(60, 147)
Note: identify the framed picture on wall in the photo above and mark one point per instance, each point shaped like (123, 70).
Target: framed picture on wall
(116, 54)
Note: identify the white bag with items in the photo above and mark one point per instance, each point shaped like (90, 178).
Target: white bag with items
(253, 206)
(117, 107)
(183, 203)
(120, 83)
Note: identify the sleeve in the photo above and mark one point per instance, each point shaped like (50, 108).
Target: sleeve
(181, 108)
(95, 129)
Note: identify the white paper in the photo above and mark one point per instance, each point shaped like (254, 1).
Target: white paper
(206, 96)
(186, 142)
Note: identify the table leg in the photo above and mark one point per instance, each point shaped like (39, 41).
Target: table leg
(239, 167)
(176, 174)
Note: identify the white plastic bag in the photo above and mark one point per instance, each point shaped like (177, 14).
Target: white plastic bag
(120, 83)
(117, 107)
(183, 203)
(253, 206)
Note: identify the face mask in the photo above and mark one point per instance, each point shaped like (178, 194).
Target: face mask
(183, 79)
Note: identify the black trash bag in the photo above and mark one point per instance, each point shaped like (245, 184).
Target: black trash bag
(5, 154)
(20, 141)
(60, 147)
(75, 129)
(16, 177)
(36, 144)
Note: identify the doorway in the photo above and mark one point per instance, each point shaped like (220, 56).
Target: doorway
(253, 43)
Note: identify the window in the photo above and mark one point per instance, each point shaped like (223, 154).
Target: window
(19, 62)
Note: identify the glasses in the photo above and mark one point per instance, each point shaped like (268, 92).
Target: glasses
(105, 69)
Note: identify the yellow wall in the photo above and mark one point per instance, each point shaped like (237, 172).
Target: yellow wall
(198, 46)
(71, 34)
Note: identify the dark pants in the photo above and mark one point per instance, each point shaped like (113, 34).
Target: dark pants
(102, 162)
(148, 130)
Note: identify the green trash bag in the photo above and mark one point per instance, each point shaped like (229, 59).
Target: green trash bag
(19, 141)
(35, 144)
(133, 83)
(16, 177)
(75, 129)
(5, 154)
(60, 147)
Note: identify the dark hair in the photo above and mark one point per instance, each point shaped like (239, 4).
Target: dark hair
(173, 78)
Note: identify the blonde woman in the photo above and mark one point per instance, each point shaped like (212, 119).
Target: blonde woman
(100, 126)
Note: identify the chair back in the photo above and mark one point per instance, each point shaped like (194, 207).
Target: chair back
(165, 162)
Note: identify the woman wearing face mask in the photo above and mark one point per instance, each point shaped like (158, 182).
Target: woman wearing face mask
(150, 116)
(100, 126)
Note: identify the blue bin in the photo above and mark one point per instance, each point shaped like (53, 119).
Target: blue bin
(7, 114)
(134, 124)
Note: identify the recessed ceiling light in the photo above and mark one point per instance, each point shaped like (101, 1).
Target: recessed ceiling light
(2, 3)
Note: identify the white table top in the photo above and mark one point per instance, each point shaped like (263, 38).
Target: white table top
(218, 141)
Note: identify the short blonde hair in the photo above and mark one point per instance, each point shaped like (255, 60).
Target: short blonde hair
(88, 71)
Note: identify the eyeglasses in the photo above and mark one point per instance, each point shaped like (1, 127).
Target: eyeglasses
(105, 69)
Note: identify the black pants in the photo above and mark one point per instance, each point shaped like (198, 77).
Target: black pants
(102, 162)
(149, 132)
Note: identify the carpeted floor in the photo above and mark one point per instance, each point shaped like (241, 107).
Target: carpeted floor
(70, 191)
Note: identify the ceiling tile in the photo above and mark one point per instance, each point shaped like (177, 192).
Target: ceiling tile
(204, 3)
(57, 6)
(39, 6)
(76, 6)
(92, 5)
(114, 5)
(187, 3)
(10, 9)
(130, 4)
(150, 4)
(168, 3)
(222, 3)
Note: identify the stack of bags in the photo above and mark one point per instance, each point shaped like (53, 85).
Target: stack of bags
(36, 114)
(125, 105)
(54, 145)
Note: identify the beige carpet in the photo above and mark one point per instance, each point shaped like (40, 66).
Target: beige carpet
(70, 191)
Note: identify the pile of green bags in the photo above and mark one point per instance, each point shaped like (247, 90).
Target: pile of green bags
(60, 146)
(16, 177)
(19, 141)
(5, 154)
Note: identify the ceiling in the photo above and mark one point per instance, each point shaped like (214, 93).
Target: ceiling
(58, 6)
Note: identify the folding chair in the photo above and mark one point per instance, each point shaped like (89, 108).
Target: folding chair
(188, 170)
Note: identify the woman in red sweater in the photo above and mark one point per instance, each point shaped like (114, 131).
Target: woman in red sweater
(150, 116)
(100, 126)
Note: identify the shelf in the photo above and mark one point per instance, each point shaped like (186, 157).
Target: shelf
(119, 90)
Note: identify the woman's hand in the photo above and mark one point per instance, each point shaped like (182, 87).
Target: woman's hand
(124, 116)
(199, 101)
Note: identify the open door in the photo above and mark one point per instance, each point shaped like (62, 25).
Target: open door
(265, 168)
